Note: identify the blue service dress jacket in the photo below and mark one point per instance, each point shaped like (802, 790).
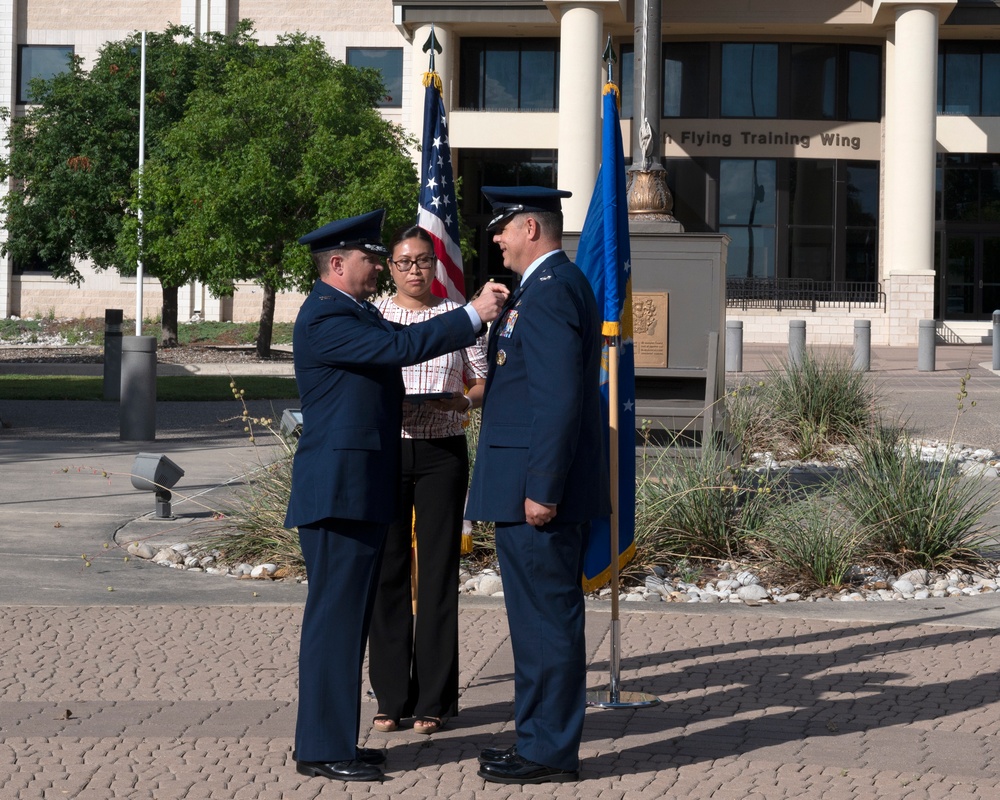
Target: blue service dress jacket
(542, 435)
(347, 366)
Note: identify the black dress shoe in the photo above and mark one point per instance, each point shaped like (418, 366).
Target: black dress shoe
(517, 769)
(353, 770)
(494, 755)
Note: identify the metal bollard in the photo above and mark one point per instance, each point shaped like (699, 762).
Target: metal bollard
(112, 353)
(137, 411)
(996, 339)
(862, 345)
(734, 346)
(796, 342)
(926, 351)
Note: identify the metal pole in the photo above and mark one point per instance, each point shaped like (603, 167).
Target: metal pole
(862, 344)
(996, 339)
(796, 342)
(615, 698)
(734, 345)
(142, 161)
(113, 353)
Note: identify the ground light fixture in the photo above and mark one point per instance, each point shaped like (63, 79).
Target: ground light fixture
(154, 472)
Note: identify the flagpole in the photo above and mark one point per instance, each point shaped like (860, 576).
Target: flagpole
(614, 697)
(615, 660)
(142, 161)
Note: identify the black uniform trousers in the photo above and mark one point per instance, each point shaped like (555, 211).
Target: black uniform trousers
(342, 561)
(542, 570)
(413, 664)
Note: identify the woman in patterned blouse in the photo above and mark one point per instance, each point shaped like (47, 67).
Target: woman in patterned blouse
(414, 667)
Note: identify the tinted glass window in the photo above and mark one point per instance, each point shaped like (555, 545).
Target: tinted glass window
(961, 83)
(864, 83)
(811, 192)
(814, 81)
(746, 191)
(506, 74)
(749, 80)
(862, 194)
(990, 105)
(501, 79)
(538, 90)
(810, 253)
(685, 79)
(388, 61)
(40, 61)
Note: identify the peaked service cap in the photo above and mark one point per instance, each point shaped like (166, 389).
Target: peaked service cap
(363, 233)
(507, 201)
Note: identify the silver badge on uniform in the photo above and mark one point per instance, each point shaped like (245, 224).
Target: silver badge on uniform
(501, 357)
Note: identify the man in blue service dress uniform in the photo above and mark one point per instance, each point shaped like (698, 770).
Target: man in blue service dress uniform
(346, 473)
(541, 475)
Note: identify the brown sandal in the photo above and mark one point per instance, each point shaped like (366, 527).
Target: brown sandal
(383, 723)
(427, 725)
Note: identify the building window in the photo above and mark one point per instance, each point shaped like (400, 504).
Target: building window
(861, 193)
(831, 81)
(388, 61)
(747, 212)
(749, 80)
(509, 75)
(481, 167)
(41, 62)
(703, 80)
(968, 188)
(811, 219)
(969, 78)
(685, 79)
(811, 205)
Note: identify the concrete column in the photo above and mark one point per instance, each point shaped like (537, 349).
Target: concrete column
(580, 80)
(911, 108)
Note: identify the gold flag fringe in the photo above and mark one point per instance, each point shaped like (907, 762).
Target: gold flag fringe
(432, 78)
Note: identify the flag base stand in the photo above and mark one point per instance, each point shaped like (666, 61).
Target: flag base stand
(608, 699)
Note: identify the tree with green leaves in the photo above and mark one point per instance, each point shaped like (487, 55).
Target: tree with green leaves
(286, 141)
(74, 153)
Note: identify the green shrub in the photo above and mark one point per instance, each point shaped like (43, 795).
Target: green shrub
(921, 515)
(695, 504)
(811, 542)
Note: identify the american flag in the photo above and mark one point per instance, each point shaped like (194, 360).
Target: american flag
(437, 210)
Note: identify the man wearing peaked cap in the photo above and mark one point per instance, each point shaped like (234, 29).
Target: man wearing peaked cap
(345, 473)
(512, 200)
(363, 233)
(541, 475)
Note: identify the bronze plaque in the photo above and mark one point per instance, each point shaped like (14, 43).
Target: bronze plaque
(649, 328)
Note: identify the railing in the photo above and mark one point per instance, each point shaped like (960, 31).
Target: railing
(808, 295)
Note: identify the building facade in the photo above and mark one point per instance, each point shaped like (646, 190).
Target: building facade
(849, 149)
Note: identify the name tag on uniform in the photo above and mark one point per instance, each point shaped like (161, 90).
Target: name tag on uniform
(508, 325)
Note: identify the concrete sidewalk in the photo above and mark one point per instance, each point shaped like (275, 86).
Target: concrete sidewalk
(128, 680)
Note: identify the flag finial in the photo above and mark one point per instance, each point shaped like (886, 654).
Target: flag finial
(434, 46)
(609, 58)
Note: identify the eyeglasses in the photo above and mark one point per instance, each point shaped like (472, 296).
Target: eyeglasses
(405, 264)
